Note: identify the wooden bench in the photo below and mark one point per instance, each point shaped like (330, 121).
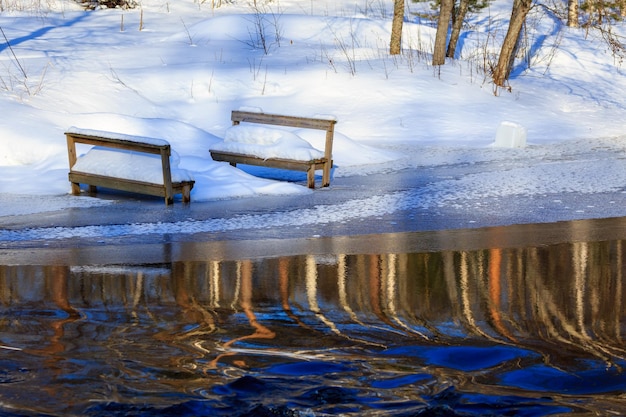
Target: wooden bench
(167, 188)
(325, 163)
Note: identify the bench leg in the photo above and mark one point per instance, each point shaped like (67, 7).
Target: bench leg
(75, 188)
(310, 176)
(186, 194)
(93, 189)
(326, 174)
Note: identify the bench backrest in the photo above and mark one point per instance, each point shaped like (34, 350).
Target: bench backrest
(293, 121)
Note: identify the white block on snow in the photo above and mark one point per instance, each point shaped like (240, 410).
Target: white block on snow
(510, 135)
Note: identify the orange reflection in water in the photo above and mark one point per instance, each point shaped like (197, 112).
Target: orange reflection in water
(260, 331)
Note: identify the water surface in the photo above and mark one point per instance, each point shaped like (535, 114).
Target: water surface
(531, 329)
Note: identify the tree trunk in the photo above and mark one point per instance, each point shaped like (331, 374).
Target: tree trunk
(591, 10)
(395, 46)
(572, 13)
(441, 37)
(458, 18)
(507, 52)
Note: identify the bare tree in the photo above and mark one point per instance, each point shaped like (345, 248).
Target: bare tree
(502, 71)
(395, 46)
(441, 37)
(458, 16)
(572, 13)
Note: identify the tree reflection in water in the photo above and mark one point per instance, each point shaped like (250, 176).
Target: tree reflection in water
(530, 330)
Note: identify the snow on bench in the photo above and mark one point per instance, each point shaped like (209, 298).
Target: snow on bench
(124, 162)
(274, 148)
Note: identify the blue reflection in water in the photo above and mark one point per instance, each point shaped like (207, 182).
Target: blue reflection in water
(543, 378)
(401, 381)
(307, 368)
(463, 358)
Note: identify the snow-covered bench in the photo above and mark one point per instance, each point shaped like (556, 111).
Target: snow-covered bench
(124, 162)
(277, 149)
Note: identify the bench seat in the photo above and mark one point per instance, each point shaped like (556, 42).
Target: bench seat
(291, 164)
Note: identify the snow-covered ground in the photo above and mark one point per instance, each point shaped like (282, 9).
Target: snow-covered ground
(175, 70)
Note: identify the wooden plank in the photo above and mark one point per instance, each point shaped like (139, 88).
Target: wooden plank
(71, 155)
(75, 188)
(307, 166)
(71, 150)
(137, 140)
(167, 175)
(328, 149)
(123, 184)
(310, 177)
(117, 143)
(280, 120)
(273, 162)
(118, 183)
(186, 191)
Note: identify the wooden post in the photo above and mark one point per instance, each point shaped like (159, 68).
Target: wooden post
(310, 176)
(71, 154)
(328, 154)
(186, 193)
(167, 175)
(235, 123)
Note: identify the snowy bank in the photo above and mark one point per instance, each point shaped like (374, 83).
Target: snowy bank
(178, 78)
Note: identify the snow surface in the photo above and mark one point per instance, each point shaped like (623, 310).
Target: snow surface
(266, 143)
(131, 165)
(179, 77)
